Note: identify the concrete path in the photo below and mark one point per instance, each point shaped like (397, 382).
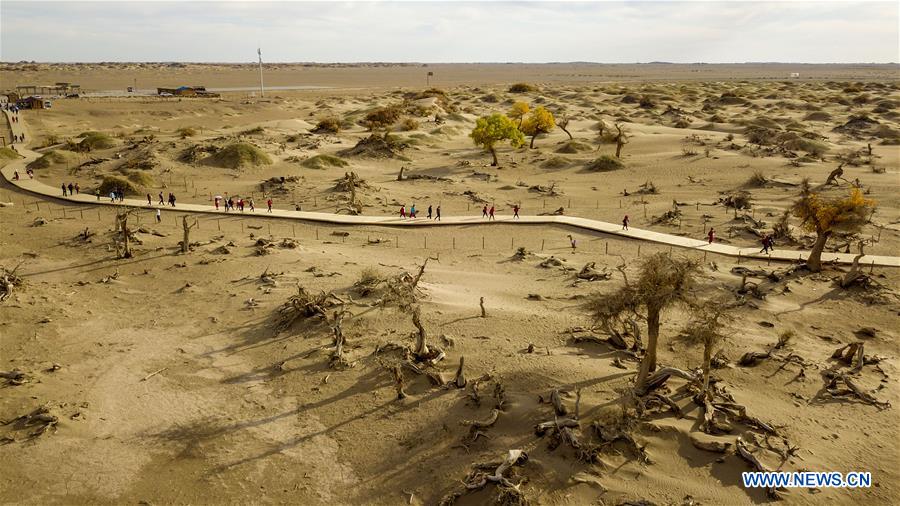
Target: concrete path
(36, 187)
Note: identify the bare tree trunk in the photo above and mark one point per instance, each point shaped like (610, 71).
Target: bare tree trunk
(400, 176)
(421, 344)
(532, 141)
(619, 145)
(648, 364)
(707, 358)
(814, 262)
(495, 162)
(855, 272)
(186, 242)
(481, 303)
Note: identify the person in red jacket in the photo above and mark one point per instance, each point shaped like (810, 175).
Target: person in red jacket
(711, 235)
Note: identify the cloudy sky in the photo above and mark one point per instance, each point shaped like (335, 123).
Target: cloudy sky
(454, 31)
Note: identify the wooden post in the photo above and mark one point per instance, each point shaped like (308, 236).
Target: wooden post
(570, 203)
(542, 244)
(639, 249)
(704, 257)
(512, 243)
(293, 232)
(425, 241)
(872, 267)
(482, 242)
(454, 242)
(82, 213)
(219, 224)
(98, 215)
(242, 226)
(607, 248)
(270, 229)
(317, 233)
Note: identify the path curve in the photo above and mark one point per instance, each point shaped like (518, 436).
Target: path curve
(38, 188)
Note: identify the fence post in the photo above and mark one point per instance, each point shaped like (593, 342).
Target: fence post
(607, 248)
(482, 242)
(454, 243)
(293, 232)
(542, 244)
(639, 249)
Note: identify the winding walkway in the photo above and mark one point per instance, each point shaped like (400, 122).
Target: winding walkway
(36, 187)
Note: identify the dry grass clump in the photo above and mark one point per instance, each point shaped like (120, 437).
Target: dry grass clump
(382, 117)
(604, 164)
(323, 162)
(522, 88)
(8, 154)
(572, 147)
(756, 180)
(555, 162)
(330, 125)
(111, 183)
(239, 155)
(409, 124)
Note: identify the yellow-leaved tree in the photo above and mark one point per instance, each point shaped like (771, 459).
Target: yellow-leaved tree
(539, 121)
(518, 112)
(489, 130)
(825, 216)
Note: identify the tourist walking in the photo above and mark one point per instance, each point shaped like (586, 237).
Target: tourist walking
(149, 200)
(491, 213)
(412, 211)
(269, 204)
(429, 211)
(252, 207)
(767, 243)
(64, 189)
(16, 175)
(97, 192)
(437, 217)
(625, 222)
(158, 215)
(216, 200)
(172, 199)
(572, 242)
(484, 211)
(161, 201)
(516, 212)
(711, 235)
(403, 211)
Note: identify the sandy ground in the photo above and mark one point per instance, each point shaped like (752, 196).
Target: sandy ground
(237, 413)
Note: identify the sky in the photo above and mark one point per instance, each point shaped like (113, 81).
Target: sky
(451, 31)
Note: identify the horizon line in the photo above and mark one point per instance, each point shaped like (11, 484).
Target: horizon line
(388, 62)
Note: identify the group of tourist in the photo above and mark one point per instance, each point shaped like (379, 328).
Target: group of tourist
(28, 171)
(239, 204)
(70, 189)
(433, 213)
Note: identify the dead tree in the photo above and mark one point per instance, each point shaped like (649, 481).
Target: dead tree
(337, 357)
(122, 226)
(481, 303)
(563, 124)
(621, 138)
(422, 351)
(460, 380)
(834, 175)
(855, 273)
(479, 477)
(186, 242)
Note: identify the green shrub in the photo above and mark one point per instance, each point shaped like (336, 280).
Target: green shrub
(95, 140)
(9, 154)
(605, 163)
(522, 88)
(47, 159)
(239, 155)
(141, 178)
(323, 162)
(111, 183)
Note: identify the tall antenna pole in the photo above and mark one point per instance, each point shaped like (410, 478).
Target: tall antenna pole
(262, 91)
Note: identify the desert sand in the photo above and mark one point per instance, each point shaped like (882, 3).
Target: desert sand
(169, 379)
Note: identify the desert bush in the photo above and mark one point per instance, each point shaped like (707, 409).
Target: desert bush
(324, 162)
(382, 117)
(522, 88)
(605, 163)
(409, 124)
(555, 162)
(254, 131)
(756, 180)
(329, 125)
(186, 132)
(140, 178)
(239, 155)
(117, 183)
(572, 147)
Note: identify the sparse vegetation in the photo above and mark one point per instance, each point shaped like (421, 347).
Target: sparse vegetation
(324, 162)
(605, 163)
(329, 125)
(239, 155)
(522, 88)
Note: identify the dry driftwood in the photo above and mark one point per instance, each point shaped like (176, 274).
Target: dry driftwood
(659, 378)
(590, 273)
(752, 358)
(478, 478)
(745, 454)
(14, 377)
(833, 380)
(40, 417)
(8, 282)
(304, 305)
